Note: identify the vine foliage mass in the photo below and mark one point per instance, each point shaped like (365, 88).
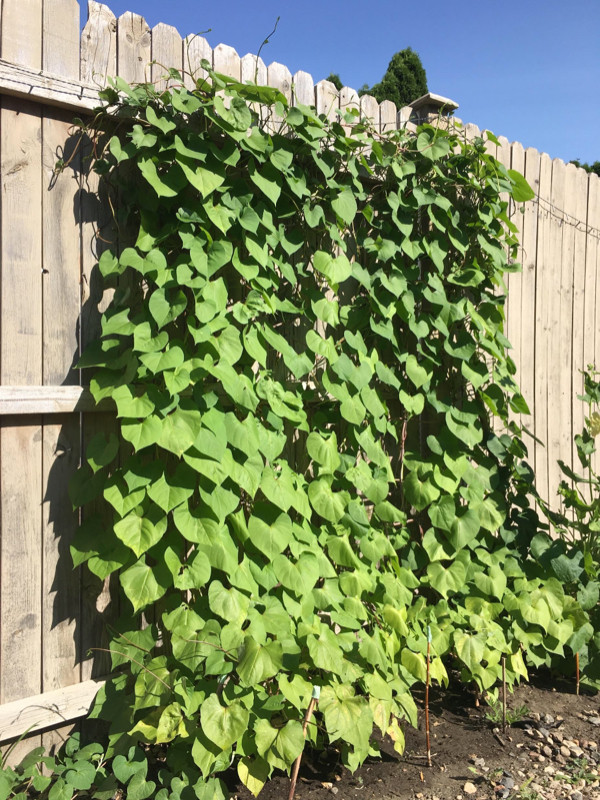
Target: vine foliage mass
(305, 350)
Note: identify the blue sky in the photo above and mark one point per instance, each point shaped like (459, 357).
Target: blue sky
(526, 69)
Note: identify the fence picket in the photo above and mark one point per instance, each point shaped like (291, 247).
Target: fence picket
(369, 109)
(97, 231)
(349, 100)
(592, 268)
(543, 289)
(564, 354)
(167, 53)
(471, 131)
(592, 271)
(195, 49)
(134, 47)
(60, 50)
(303, 89)
(507, 154)
(21, 34)
(327, 99)
(21, 556)
(559, 243)
(279, 77)
(99, 45)
(60, 443)
(403, 119)
(387, 116)
(254, 69)
(577, 183)
(526, 373)
(227, 61)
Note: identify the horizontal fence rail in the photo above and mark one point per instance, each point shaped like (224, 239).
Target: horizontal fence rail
(50, 307)
(47, 400)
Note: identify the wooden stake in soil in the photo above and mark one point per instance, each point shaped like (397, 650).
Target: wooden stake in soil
(427, 697)
(503, 694)
(316, 692)
(576, 673)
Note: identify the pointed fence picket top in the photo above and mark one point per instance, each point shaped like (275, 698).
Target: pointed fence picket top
(195, 50)
(254, 69)
(99, 45)
(327, 99)
(167, 53)
(369, 109)
(387, 116)
(404, 116)
(471, 131)
(303, 88)
(134, 48)
(227, 61)
(279, 77)
(349, 101)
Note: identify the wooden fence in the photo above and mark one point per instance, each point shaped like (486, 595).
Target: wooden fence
(50, 306)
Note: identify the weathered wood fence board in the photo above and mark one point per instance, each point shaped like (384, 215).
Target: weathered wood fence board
(525, 310)
(50, 303)
(20, 362)
(52, 708)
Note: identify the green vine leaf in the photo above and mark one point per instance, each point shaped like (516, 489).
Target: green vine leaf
(223, 725)
(258, 662)
(144, 584)
(328, 504)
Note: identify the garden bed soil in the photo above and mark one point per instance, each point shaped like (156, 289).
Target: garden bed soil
(552, 751)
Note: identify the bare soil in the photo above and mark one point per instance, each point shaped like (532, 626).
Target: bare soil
(552, 751)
